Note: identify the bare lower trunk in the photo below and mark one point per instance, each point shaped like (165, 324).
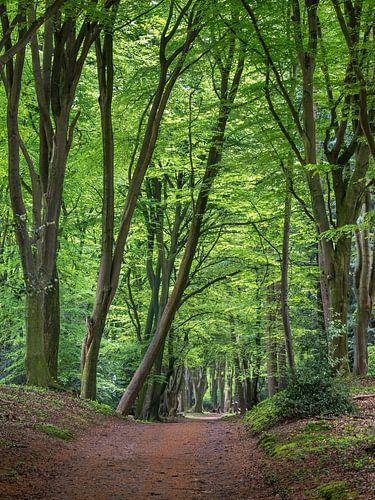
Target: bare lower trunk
(51, 326)
(222, 388)
(338, 299)
(322, 294)
(228, 400)
(282, 367)
(284, 295)
(214, 386)
(360, 366)
(239, 385)
(35, 361)
(271, 342)
(151, 401)
(89, 357)
(365, 287)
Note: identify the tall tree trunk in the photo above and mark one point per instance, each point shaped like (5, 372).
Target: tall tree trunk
(222, 387)
(214, 385)
(282, 366)
(227, 97)
(110, 269)
(151, 402)
(271, 341)
(365, 285)
(338, 288)
(284, 273)
(322, 292)
(96, 323)
(200, 385)
(239, 388)
(37, 371)
(51, 324)
(249, 385)
(228, 389)
(35, 362)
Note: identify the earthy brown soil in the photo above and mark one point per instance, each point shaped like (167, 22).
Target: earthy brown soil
(110, 458)
(191, 459)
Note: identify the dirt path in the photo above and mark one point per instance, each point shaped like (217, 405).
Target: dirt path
(210, 459)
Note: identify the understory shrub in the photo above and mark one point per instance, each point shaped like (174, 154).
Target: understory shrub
(371, 359)
(313, 392)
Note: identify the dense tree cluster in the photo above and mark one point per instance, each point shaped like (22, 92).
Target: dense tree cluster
(186, 197)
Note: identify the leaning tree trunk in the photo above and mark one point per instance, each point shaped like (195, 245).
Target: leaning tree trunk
(227, 97)
(110, 266)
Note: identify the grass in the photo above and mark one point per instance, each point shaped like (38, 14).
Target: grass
(55, 431)
(95, 406)
(264, 415)
(315, 437)
(323, 456)
(335, 490)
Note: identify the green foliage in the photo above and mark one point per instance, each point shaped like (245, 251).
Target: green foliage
(266, 414)
(371, 360)
(335, 490)
(313, 392)
(98, 407)
(316, 392)
(55, 431)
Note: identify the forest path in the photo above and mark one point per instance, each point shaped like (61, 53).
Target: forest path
(193, 459)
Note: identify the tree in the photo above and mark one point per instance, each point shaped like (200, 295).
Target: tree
(171, 65)
(348, 180)
(65, 48)
(228, 91)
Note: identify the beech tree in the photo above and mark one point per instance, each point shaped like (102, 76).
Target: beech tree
(56, 75)
(203, 222)
(339, 144)
(171, 65)
(228, 90)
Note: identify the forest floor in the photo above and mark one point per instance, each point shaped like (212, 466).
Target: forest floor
(53, 446)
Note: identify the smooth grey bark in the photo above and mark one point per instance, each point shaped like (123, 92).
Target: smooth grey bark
(222, 387)
(365, 288)
(271, 341)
